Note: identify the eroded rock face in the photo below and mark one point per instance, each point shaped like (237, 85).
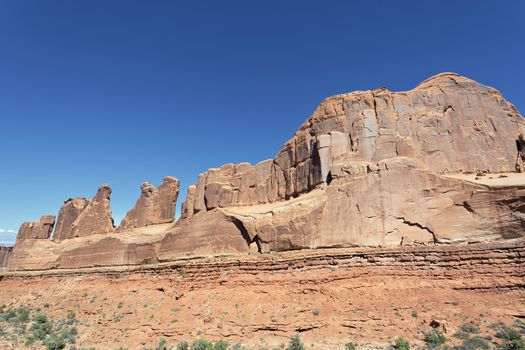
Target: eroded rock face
(80, 217)
(155, 206)
(449, 123)
(227, 186)
(379, 160)
(40, 229)
(5, 252)
(368, 168)
(69, 213)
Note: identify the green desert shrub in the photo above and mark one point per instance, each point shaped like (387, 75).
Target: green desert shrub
(58, 339)
(41, 327)
(202, 344)
(401, 344)
(473, 344)
(183, 345)
(511, 339)
(434, 338)
(470, 328)
(220, 345)
(350, 346)
(9, 315)
(163, 345)
(22, 315)
(54, 342)
(295, 343)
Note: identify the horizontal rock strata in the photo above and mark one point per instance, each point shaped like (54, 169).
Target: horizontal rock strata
(463, 266)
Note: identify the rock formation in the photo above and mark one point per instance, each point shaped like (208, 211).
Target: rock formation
(449, 123)
(368, 168)
(40, 229)
(155, 206)
(5, 252)
(81, 217)
(67, 215)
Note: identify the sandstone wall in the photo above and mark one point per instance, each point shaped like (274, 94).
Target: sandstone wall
(368, 168)
(448, 123)
(155, 206)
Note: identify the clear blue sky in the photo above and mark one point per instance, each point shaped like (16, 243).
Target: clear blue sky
(128, 91)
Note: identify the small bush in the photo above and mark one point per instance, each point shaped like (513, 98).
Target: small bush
(461, 335)
(470, 328)
(295, 343)
(473, 344)
(434, 338)
(183, 345)
(41, 327)
(22, 315)
(9, 315)
(401, 344)
(220, 345)
(202, 344)
(350, 346)
(315, 311)
(163, 345)
(511, 339)
(54, 342)
(238, 346)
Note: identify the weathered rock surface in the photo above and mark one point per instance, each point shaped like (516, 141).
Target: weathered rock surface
(40, 229)
(155, 206)
(368, 168)
(5, 252)
(81, 217)
(69, 212)
(379, 162)
(448, 123)
(125, 248)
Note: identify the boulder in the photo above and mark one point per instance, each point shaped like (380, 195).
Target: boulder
(155, 206)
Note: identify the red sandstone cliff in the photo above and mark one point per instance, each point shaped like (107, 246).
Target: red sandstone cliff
(368, 168)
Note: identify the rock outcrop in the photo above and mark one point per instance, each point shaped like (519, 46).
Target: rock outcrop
(368, 168)
(80, 217)
(447, 124)
(5, 252)
(40, 229)
(155, 206)
(69, 212)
